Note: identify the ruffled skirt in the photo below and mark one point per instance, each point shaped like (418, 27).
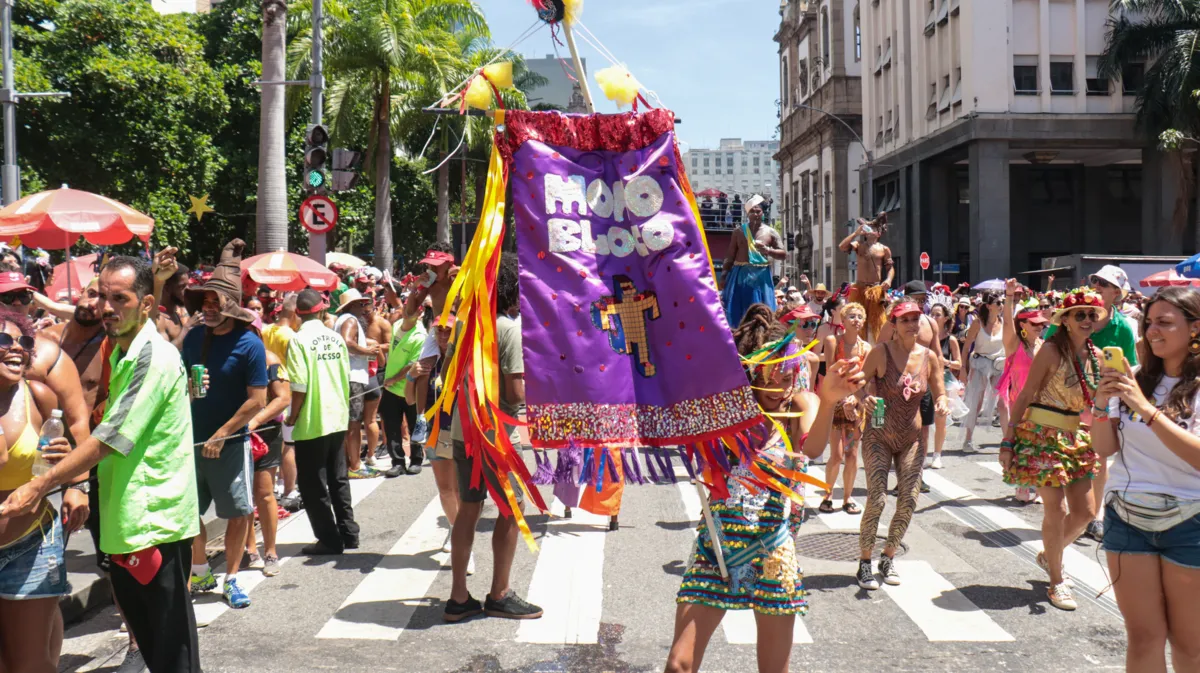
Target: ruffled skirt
(1044, 455)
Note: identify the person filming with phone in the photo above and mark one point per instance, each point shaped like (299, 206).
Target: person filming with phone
(1149, 419)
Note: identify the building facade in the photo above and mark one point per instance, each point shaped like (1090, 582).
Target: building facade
(738, 170)
(994, 143)
(821, 152)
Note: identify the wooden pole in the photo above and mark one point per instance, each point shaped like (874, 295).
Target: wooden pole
(713, 536)
(583, 83)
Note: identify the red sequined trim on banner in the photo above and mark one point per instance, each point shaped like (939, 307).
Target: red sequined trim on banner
(622, 132)
(616, 425)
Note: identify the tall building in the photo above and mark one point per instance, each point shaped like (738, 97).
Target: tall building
(995, 144)
(738, 170)
(820, 110)
(559, 87)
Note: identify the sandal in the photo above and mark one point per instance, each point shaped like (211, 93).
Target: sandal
(826, 507)
(851, 507)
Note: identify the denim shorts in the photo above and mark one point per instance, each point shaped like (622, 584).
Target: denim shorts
(1179, 544)
(33, 566)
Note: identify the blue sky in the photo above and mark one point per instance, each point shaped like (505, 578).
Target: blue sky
(711, 61)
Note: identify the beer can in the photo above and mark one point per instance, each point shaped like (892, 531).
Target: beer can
(197, 381)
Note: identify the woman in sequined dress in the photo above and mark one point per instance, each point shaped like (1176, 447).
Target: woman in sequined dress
(771, 582)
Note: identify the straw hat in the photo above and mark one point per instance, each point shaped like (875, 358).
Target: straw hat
(349, 297)
(1079, 298)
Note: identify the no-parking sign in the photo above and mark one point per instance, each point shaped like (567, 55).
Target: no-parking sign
(318, 214)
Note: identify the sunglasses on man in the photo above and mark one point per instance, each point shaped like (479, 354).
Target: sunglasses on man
(23, 297)
(7, 341)
(1098, 282)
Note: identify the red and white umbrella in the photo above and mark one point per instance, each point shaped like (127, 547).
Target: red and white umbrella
(1168, 278)
(81, 270)
(55, 219)
(288, 271)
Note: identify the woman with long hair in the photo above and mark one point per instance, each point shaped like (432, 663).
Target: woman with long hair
(952, 359)
(985, 362)
(268, 423)
(848, 414)
(900, 371)
(1049, 448)
(33, 574)
(1022, 338)
(770, 583)
(804, 322)
(1152, 512)
(832, 322)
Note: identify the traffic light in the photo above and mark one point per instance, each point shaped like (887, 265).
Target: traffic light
(315, 138)
(346, 164)
(791, 242)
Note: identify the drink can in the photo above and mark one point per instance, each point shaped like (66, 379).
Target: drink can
(197, 381)
(877, 415)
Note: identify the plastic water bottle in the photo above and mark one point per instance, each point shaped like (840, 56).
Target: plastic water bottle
(52, 429)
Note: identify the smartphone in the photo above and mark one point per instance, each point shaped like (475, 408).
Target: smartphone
(1114, 358)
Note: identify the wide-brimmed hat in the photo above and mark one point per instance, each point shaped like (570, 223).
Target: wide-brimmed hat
(820, 288)
(1113, 275)
(349, 297)
(1079, 298)
(226, 282)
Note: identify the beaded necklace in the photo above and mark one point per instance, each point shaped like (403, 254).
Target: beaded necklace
(1086, 382)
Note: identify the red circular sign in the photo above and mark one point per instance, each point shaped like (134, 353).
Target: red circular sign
(318, 214)
(925, 261)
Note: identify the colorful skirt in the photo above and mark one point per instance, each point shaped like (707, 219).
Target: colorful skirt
(745, 285)
(1044, 455)
(772, 583)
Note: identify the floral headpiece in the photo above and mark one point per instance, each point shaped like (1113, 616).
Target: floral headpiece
(1080, 297)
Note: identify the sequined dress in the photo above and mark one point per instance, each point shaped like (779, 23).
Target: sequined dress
(771, 584)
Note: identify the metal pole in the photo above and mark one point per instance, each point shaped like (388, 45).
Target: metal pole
(316, 242)
(583, 83)
(10, 175)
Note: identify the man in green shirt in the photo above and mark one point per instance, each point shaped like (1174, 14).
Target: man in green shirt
(403, 363)
(318, 371)
(147, 474)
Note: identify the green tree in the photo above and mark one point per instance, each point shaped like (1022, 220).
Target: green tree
(272, 180)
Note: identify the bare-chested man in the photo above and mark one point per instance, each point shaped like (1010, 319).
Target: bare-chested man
(173, 319)
(747, 266)
(439, 262)
(875, 271)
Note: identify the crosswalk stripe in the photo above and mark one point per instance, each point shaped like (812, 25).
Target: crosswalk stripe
(992, 466)
(384, 601)
(837, 520)
(568, 580)
(943, 612)
(738, 625)
(293, 530)
(1085, 571)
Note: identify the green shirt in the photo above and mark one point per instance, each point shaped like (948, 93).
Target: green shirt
(335, 297)
(1118, 332)
(148, 482)
(511, 361)
(318, 365)
(405, 349)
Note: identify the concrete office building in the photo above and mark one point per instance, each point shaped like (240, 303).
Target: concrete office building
(739, 170)
(820, 66)
(995, 144)
(559, 87)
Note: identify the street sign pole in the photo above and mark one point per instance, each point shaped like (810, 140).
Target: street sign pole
(316, 242)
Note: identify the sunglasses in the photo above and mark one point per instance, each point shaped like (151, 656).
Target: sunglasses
(24, 297)
(7, 340)
(1100, 282)
(809, 324)
(1084, 316)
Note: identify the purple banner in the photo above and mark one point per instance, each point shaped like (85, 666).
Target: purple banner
(625, 342)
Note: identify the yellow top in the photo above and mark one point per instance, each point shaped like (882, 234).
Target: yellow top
(276, 338)
(21, 453)
(1062, 390)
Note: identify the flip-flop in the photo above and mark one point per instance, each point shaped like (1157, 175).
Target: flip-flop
(826, 507)
(851, 508)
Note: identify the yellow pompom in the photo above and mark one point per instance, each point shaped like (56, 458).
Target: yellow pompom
(618, 84)
(573, 9)
(500, 74)
(479, 94)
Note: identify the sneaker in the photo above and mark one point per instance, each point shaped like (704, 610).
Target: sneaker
(134, 662)
(996, 422)
(866, 578)
(887, 570)
(254, 561)
(1095, 530)
(968, 446)
(456, 612)
(936, 463)
(206, 583)
(394, 471)
(511, 606)
(320, 549)
(446, 544)
(270, 565)
(414, 466)
(1061, 597)
(234, 595)
(361, 473)
(924, 487)
(421, 433)
(381, 451)
(1045, 565)
(370, 459)
(292, 502)
(471, 564)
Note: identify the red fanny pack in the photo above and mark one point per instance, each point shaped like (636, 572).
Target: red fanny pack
(143, 565)
(258, 448)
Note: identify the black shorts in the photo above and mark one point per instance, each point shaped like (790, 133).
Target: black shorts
(466, 492)
(274, 455)
(927, 415)
(374, 389)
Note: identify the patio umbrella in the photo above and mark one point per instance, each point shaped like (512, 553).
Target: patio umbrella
(710, 193)
(288, 271)
(345, 259)
(81, 270)
(1168, 277)
(993, 285)
(1190, 267)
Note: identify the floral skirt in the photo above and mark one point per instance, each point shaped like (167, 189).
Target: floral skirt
(1044, 455)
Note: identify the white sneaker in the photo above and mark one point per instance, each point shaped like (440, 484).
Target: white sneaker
(888, 572)
(1045, 565)
(968, 446)
(446, 544)
(1061, 597)
(471, 565)
(936, 463)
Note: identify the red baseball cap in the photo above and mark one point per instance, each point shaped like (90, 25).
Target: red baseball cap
(904, 308)
(437, 258)
(799, 313)
(1034, 317)
(11, 281)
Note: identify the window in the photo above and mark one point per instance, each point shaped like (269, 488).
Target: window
(857, 36)
(1025, 78)
(756, 171)
(755, 161)
(828, 197)
(695, 161)
(706, 170)
(944, 102)
(957, 97)
(786, 84)
(728, 171)
(825, 37)
(931, 18)
(1096, 86)
(1133, 77)
(706, 163)
(931, 110)
(1062, 77)
(729, 160)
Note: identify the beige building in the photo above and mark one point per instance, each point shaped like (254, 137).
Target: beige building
(738, 169)
(821, 152)
(995, 144)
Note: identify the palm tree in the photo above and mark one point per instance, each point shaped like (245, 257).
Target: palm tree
(381, 56)
(272, 222)
(1161, 36)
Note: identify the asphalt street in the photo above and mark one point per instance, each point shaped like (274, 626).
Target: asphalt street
(972, 598)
